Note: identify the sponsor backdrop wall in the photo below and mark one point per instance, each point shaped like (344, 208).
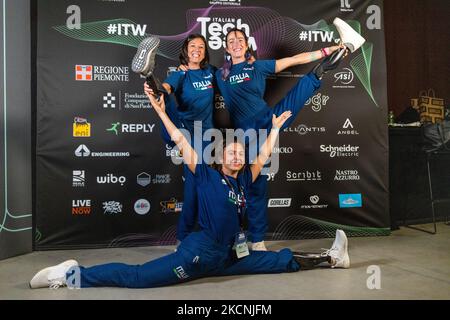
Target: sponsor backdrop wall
(104, 175)
(15, 129)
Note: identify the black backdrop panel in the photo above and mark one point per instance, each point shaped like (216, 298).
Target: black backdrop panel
(104, 175)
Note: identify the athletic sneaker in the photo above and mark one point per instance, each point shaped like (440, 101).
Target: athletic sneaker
(144, 59)
(349, 37)
(329, 63)
(259, 246)
(339, 251)
(52, 277)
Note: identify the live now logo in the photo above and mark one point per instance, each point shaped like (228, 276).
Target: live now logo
(81, 207)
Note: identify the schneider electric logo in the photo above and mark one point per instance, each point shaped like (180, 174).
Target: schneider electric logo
(340, 151)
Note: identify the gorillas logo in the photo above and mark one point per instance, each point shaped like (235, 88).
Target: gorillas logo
(215, 29)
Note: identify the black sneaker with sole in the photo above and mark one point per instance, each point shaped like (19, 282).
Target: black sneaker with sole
(144, 59)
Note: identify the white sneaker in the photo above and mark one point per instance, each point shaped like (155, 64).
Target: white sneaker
(259, 246)
(349, 37)
(339, 251)
(52, 277)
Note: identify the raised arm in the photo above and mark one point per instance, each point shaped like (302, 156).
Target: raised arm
(302, 58)
(268, 145)
(190, 157)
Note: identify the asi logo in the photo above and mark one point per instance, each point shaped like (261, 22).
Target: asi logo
(81, 127)
(344, 78)
(350, 200)
(83, 72)
(142, 206)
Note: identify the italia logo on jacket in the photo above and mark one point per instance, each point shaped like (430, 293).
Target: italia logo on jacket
(202, 85)
(239, 78)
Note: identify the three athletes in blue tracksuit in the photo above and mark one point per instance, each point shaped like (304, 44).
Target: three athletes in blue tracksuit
(221, 199)
(243, 91)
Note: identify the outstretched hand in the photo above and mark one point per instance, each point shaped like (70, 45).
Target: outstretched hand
(335, 48)
(277, 122)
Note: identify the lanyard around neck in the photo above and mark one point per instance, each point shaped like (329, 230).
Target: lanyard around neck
(240, 208)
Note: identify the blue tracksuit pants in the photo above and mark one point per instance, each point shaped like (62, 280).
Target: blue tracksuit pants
(257, 198)
(197, 256)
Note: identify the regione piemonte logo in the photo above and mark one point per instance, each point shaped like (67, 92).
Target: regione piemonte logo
(83, 72)
(88, 72)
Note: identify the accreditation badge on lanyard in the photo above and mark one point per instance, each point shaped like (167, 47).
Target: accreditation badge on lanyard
(240, 240)
(240, 245)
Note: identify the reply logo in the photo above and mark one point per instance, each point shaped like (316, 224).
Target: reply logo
(350, 200)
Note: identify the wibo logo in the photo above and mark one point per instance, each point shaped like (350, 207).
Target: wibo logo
(239, 78)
